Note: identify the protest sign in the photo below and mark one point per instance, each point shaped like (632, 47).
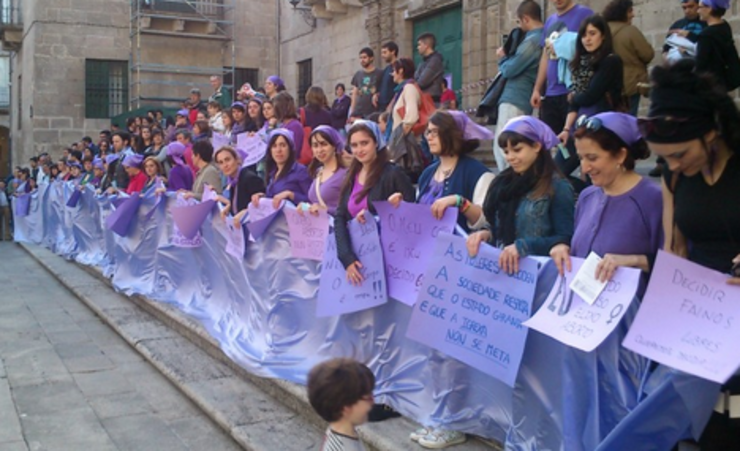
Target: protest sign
(472, 310)
(307, 233)
(689, 320)
(219, 140)
(252, 147)
(566, 317)
(260, 217)
(336, 295)
(407, 234)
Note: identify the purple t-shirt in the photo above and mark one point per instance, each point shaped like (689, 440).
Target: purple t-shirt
(296, 180)
(353, 206)
(628, 224)
(572, 21)
(330, 190)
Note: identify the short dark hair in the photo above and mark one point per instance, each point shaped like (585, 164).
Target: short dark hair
(184, 132)
(204, 150)
(77, 154)
(617, 10)
(391, 47)
(406, 65)
(368, 51)
(87, 139)
(34, 159)
(125, 136)
(215, 104)
(529, 8)
(428, 38)
(340, 85)
(336, 384)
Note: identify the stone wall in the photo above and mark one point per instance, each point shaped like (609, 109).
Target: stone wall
(59, 35)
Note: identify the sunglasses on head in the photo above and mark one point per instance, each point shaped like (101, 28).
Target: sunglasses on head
(589, 123)
(664, 126)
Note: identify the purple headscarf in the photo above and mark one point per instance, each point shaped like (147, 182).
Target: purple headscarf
(470, 129)
(176, 151)
(133, 161)
(379, 139)
(622, 125)
(277, 81)
(534, 130)
(98, 163)
(110, 158)
(335, 139)
(287, 134)
(714, 4)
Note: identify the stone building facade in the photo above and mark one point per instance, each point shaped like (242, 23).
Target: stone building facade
(59, 38)
(345, 26)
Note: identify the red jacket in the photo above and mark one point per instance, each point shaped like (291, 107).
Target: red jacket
(136, 183)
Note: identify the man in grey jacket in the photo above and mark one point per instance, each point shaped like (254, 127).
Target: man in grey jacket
(430, 72)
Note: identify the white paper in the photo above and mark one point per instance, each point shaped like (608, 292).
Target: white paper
(585, 284)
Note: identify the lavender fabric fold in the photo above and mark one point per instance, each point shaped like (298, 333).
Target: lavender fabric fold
(189, 218)
(120, 220)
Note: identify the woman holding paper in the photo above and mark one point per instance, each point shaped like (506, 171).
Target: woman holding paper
(241, 185)
(327, 170)
(695, 126)
(454, 179)
(371, 177)
(619, 217)
(181, 177)
(529, 206)
(285, 178)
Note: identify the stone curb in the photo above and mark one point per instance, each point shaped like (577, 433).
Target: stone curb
(389, 435)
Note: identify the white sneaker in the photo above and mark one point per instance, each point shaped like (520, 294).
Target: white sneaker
(419, 433)
(440, 438)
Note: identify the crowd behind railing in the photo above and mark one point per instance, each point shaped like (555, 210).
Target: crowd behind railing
(398, 127)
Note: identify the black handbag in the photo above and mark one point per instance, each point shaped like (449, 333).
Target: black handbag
(488, 105)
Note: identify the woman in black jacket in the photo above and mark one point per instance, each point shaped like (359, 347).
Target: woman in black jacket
(371, 177)
(241, 185)
(715, 46)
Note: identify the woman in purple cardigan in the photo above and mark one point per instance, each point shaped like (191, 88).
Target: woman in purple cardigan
(286, 179)
(620, 216)
(327, 170)
(181, 177)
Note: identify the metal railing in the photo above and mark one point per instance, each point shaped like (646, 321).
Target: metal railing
(206, 8)
(11, 13)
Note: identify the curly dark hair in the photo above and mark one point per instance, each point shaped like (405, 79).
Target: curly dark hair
(617, 10)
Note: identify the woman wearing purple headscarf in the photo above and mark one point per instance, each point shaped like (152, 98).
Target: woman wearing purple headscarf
(286, 179)
(273, 86)
(181, 177)
(620, 216)
(326, 169)
(529, 206)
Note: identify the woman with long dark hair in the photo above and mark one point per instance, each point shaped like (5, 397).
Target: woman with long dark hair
(286, 114)
(285, 178)
(326, 169)
(597, 83)
(529, 206)
(254, 111)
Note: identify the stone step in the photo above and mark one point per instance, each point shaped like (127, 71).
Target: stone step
(187, 355)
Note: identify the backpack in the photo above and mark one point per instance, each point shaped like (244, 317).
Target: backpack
(426, 109)
(306, 154)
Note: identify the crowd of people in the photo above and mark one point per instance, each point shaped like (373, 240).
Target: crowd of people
(584, 72)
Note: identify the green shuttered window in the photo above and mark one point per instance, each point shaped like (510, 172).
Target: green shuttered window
(106, 88)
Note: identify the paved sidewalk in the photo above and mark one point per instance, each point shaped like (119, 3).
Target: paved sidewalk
(68, 382)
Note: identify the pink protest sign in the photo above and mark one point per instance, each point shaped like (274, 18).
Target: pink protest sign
(689, 320)
(471, 310)
(336, 295)
(407, 234)
(307, 233)
(260, 217)
(251, 146)
(569, 319)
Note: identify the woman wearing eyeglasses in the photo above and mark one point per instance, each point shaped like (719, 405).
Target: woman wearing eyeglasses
(597, 83)
(619, 217)
(695, 126)
(529, 206)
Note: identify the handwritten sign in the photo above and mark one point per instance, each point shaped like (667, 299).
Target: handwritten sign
(252, 147)
(336, 295)
(566, 317)
(472, 310)
(308, 233)
(407, 234)
(260, 217)
(689, 320)
(219, 140)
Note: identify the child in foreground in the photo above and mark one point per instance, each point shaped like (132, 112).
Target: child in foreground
(341, 392)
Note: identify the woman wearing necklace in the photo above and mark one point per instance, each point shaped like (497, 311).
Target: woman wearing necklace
(529, 206)
(454, 179)
(326, 169)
